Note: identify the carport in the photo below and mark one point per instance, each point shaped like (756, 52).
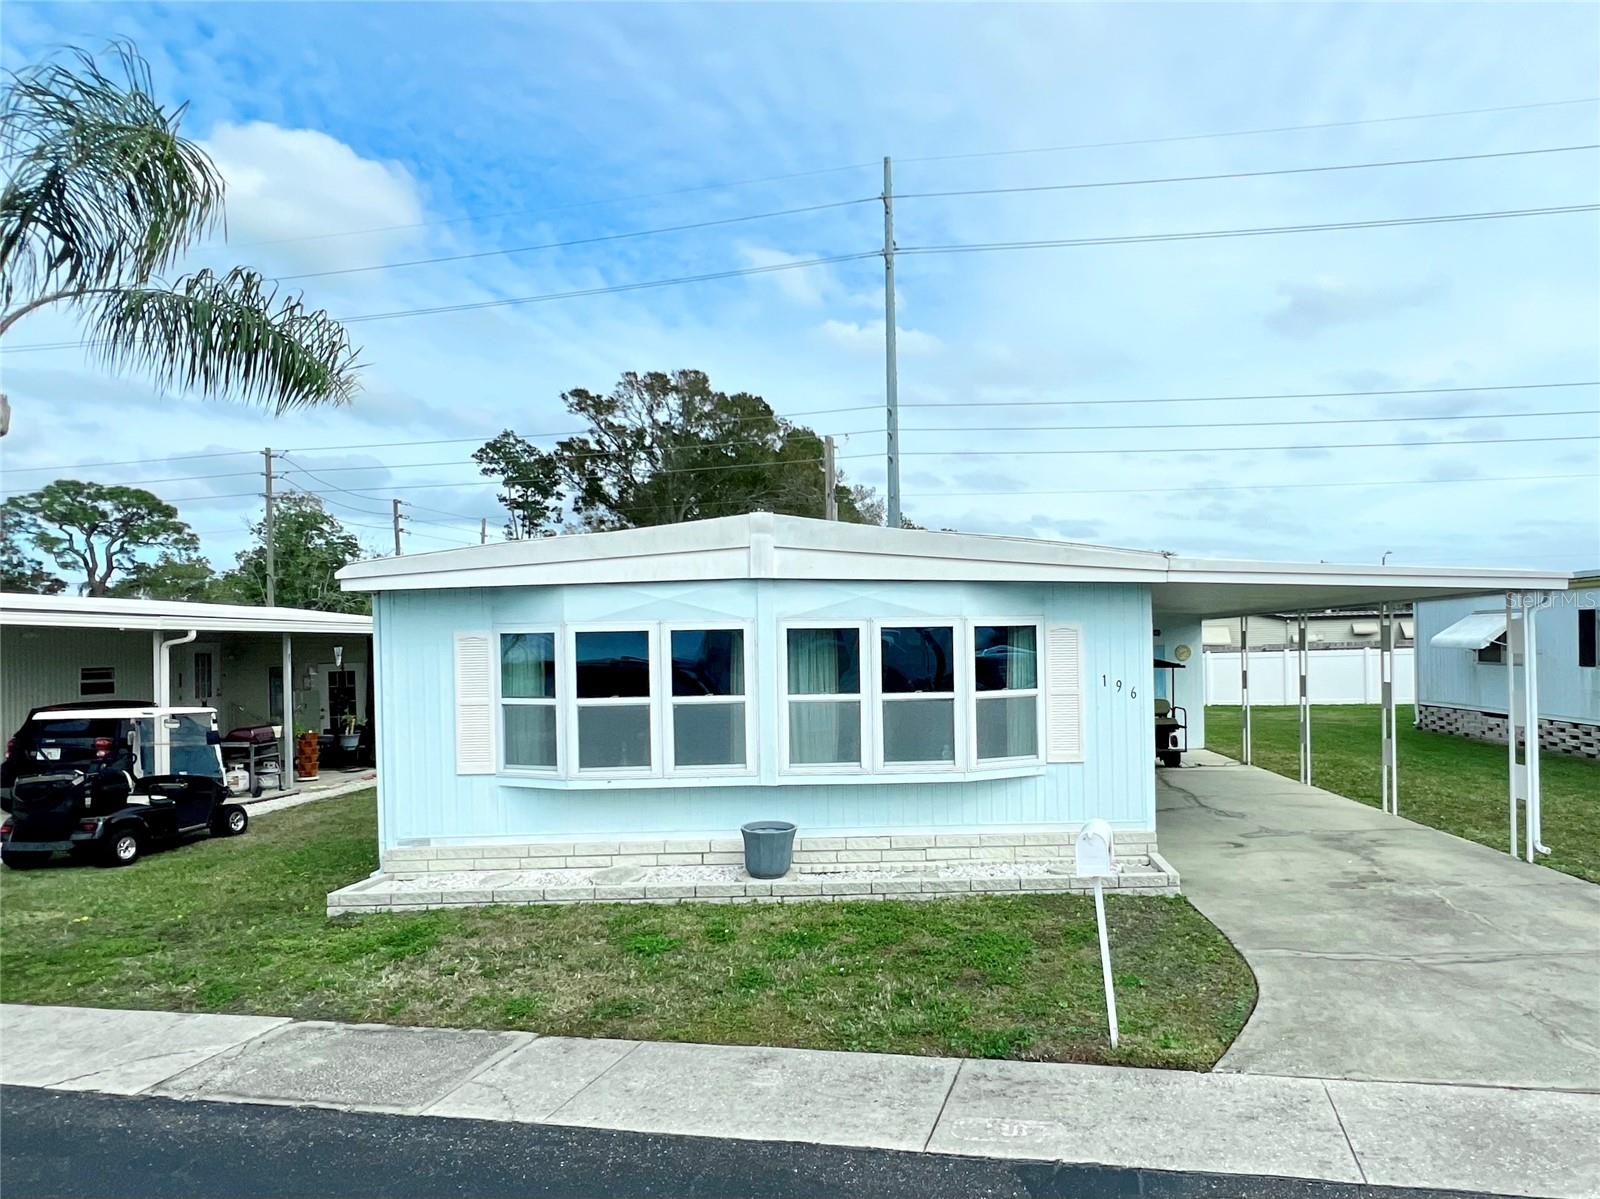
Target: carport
(292, 668)
(1197, 590)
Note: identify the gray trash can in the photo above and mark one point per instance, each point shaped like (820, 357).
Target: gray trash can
(768, 847)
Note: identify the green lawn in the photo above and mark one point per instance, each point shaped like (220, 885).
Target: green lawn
(1446, 782)
(239, 926)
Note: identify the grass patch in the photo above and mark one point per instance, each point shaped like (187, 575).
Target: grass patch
(239, 925)
(1446, 782)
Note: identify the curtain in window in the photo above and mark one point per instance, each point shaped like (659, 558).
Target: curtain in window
(824, 662)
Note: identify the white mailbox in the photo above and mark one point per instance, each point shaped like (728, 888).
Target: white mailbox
(1096, 851)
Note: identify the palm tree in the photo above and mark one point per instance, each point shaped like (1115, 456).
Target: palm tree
(101, 196)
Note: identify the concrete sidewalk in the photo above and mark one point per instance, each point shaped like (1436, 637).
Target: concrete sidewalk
(1485, 1139)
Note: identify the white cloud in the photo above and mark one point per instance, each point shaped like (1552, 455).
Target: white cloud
(868, 335)
(299, 183)
(804, 285)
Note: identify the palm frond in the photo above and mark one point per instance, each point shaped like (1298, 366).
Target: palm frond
(228, 334)
(101, 190)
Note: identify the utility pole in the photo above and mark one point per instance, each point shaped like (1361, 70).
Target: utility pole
(891, 363)
(271, 546)
(483, 531)
(830, 473)
(395, 510)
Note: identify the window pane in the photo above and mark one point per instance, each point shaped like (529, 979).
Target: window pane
(613, 664)
(823, 733)
(708, 734)
(708, 662)
(531, 735)
(1006, 657)
(614, 738)
(919, 730)
(918, 660)
(528, 665)
(824, 662)
(1008, 727)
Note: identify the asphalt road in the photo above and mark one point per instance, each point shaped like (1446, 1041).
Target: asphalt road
(66, 1145)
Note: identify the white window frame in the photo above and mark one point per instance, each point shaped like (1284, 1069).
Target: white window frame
(864, 701)
(501, 700)
(1036, 623)
(960, 647)
(652, 631)
(670, 702)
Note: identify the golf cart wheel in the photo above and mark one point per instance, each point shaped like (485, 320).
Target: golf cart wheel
(230, 821)
(1171, 758)
(122, 848)
(23, 859)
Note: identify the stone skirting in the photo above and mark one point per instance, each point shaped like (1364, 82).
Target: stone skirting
(812, 854)
(711, 870)
(382, 892)
(1557, 736)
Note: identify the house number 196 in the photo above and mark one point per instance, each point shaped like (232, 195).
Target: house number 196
(1133, 692)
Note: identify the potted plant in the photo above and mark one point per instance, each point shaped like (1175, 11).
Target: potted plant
(307, 756)
(349, 732)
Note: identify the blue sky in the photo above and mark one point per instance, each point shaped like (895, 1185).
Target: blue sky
(464, 128)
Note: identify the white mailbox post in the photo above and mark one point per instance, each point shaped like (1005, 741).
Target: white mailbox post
(1096, 857)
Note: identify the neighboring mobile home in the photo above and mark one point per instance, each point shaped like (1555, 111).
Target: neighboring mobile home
(916, 700)
(57, 649)
(1461, 668)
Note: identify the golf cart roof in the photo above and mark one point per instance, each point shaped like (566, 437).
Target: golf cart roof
(123, 712)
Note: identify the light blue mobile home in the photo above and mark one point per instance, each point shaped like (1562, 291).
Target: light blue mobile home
(1461, 679)
(631, 698)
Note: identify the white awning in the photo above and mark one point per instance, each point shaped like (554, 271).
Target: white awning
(1211, 635)
(1364, 628)
(1471, 632)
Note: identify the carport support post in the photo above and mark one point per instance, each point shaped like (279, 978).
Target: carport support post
(1522, 720)
(1304, 656)
(1244, 689)
(1388, 763)
(285, 767)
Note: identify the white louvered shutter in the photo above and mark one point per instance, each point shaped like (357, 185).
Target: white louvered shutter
(1064, 693)
(474, 705)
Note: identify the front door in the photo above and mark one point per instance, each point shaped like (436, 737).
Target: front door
(343, 693)
(199, 676)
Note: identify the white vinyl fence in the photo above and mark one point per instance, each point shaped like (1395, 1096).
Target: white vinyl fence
(1336, 676)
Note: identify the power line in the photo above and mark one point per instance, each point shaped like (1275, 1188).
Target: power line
(1351, 166)
(1252, 424)
(132, 461)
(857, 166)
(1192, 137)
(1262, 486)
(1254, 449)
(1257, 231)
(1283, 395)
(1128, 239)
(580, 241)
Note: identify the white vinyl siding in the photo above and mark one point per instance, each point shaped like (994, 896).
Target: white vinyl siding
(475, 740)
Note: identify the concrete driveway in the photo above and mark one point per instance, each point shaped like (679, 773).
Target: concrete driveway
(1384, 949)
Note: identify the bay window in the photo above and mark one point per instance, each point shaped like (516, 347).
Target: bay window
(824, 709)
(528, 700)
(917, 665)
(1005, 673)
(613, 687)
(709, 711)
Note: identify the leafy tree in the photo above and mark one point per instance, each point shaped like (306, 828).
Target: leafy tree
(662, 448)
(309, 547)
(98, 530)
(182, 576)
(20, 571)
(102, 195)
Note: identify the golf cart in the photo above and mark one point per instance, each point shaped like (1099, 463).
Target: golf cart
(1172, 722)
(109, 783)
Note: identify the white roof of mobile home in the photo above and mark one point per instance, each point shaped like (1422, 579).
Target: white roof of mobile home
(96, 612)
(765, 546)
